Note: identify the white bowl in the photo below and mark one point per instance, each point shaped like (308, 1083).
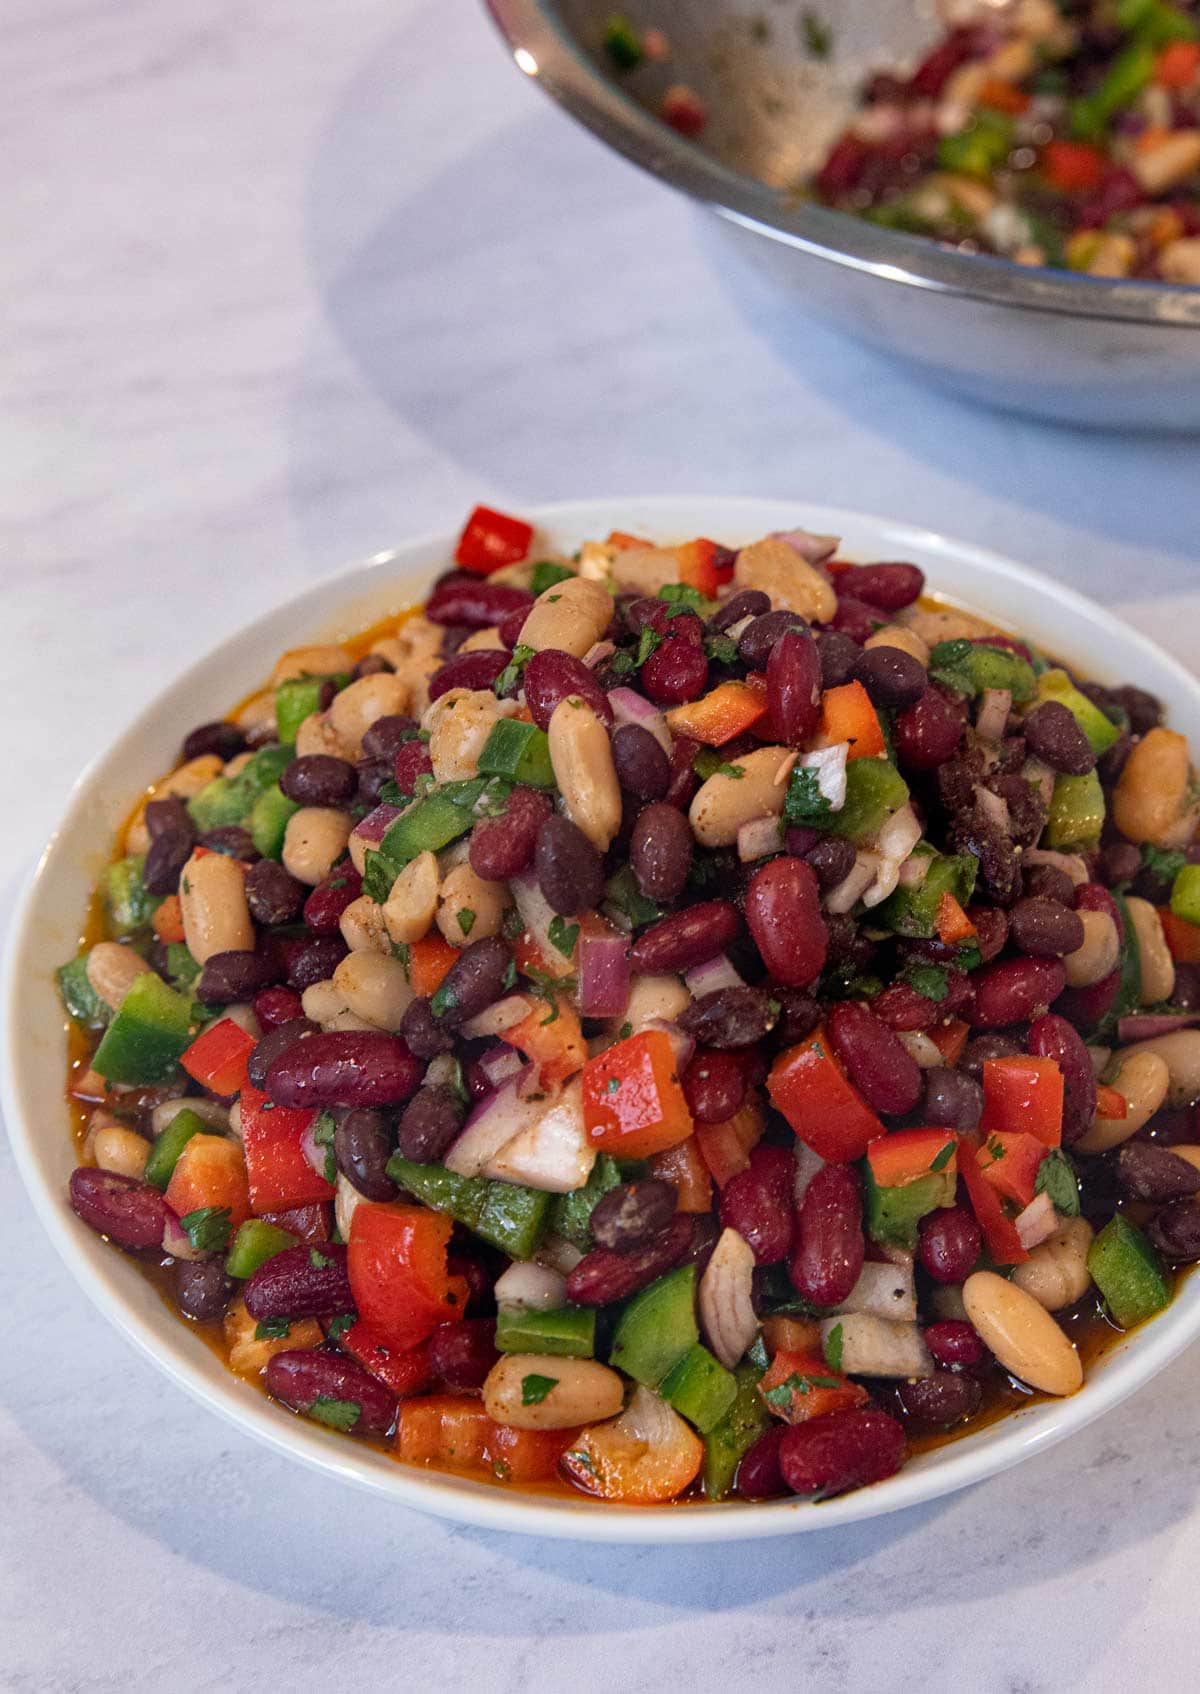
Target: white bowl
(51, 911)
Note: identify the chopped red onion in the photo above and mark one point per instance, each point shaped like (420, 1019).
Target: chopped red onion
(711, 975)
(176, 1241)
(815, 548)
(499, 1063)
(992, 718)
(494, 1122)
(629, 707)
(374, 826)
(598, 651)
(758, 838)
(1148, 1026)
(604, 973)
(1038, 1222)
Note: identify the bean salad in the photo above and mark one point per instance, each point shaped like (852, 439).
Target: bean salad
(670, 1023)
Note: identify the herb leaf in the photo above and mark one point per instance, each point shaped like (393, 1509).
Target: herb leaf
(1056, 1178)
(207, 1228)
(930, 981)
(337, 1414)
(511, 674)
(272, 1329)
(818, 36)
(466, 920)
(563, 935)
(833, 1347)
(534, 1389)
(444, 1000)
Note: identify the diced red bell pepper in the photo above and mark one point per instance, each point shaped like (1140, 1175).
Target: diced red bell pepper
(167, 922)
(952, 923)
(698, 566)
(1010, 1162)
(727, 711)
(397, 1267)
(1074, 167)
(907, 1155)
(553, 1042)
(1110, 1104)
(1178, 65)
(453, 1432)
(809, 1087)
(490, 540)
(1182, 938)
(800, 1386)
(217, 1059)
(1023, 1095)
(1002, 96)
(949, 1039)
(848, 715)
(726, 1147)
(428, 961)
(623, 541)
(633, 1102)
(405, 1373)
(210, 1172)
(999, 1231)
(279, 1171)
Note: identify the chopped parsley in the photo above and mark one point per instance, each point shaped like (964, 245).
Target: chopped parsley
(402, 951)
(805, 803)
(782, 1394)
(563, 935)
(319, 1260)
(625, 1031)
(323, 1133)
(534, 1389)
(509, 979)
(943, 1158)
(339, 1325)
(466, 920)
(737, 772)
(613, 1084)
(546, 573)
(548, 988)
(1056, 1177)
(337, 1414)
(207, 1228)
(648, 642)
(272, 1329)
(722, 648)
(511, 674)
(682, 597)
(1163, 862)
(444, 1000)
(833, 1347)
(930, 981)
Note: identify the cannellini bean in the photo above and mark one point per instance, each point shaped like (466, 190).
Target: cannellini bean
(111, 970)
(469, 909)
(482, 640)
(652, 998)
(323, 1001)
(907, 640)
(792, 584)
(942, 623)
(243, 1014)
(724, 803)
(1056, 1273)
(1022, 1334)
(358, 705)
(1181, 1051)
(1142, 1080)
(375, 988)
(323, 660)
(1157, 965)
(581, 756)
(212, 899)
(315, 838)
(317, 735)
(211, 1112)
(258, 712)
(116, 1148)
(189, 779)
(583, 1392)
(1098, 956)
(459, 723)
(569, 616)
(137, 836)
(363, 927)
(1148, 801)
(409, 909)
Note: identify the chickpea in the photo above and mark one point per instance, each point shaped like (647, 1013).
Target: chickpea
(571, 616)
(581, 754)
(212, 899)
(482, 640)
(791, 582)
(1098, 956)
(189, 779)
(1142, 1081)
(314, 840)
(317, 735)
(724, 803)
(1157, 965)
(468, 907)
(1148, 803)
(1056, 1272)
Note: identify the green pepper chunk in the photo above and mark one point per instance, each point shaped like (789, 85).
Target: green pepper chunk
(700, 1388)
(182, 968)
(545, 574)
(566, 1332)
(509, 1216)
(1185, 894)
(892, 1214)
(1076, 811)
(229, 800)
(79, 997)
(1128, 74)
(913, 911)
(148, 1035)
(1127, 1271)
(874, 791)
(981, 148)
(571, 1214)
(968, 667)
(269, 820)
(129, 903)
(518, 751)
(657, 1327)
(294, 701)
(255, 1242)
(164, 1155)
(728, 1441)
(1101, 731)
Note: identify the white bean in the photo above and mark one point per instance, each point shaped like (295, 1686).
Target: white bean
(1022, 1334)
(363, 928)
(791, 582)
(583, 1392)
(570, 616)
(323, 660)
(116, 1148)
(315, 838)
(1098, 955)
(581, 754)
(1181, 1051)
(724, 803)
(409, 909)
(469, 909)
(375, 988)
(1142, 1080)
(317, 735)
(361, 703)
(111, 970)
(459, 723)
(1154, 956)
(189, 779)
(1056, 1273)
(212, 899)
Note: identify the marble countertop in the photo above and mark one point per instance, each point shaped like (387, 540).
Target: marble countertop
(285, 283)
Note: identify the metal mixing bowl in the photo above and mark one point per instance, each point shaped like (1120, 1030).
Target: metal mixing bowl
(1078, 349)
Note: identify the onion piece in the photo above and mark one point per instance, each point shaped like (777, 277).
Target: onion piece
(991, 720)
(808, 1164)
(855, 883)
(726, 1310)
(346, 1202)
(499, 1063)
(376, 824)
(604, 975)
(552, 1153)
(176, 1241)
(874, 1346)
(914, 870)
(495, 1019)
(1037, 1222)
(315, 1155)
(529, 1287)
(1072, 863)
(1148, 1026)
(758, 838)
(537, 914)
(557, 1254)
(815, 548)
(598, 651)
(884, 1291)
(993, 807)
(496, 1120)
(829, 763)
(1039, 775)
(895, 843)
(712, 974)
(630, 707)
(921, 1047)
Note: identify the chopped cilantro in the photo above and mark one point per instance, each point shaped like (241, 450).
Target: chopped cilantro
(563, 935)
(943, 1158)
(997, 1150)
(272, 1329)
(338, 1414)
(805, 803)
(444, 1000)
(968, 957)
(833, 1347)
(648, 642)
(402, 951)
(621, 664)
(323, 1133)
(613, 1084)
(1163, 863)
(757, 1353)
(207, 1228)
(625, 1031)
(512, 924)
(783, 1392)
(511, 674)
(546, 573)
(930, 981)
(466, 920)
(1056, 1177)
(502, 1470)
(339, 1325)
(534, 1389)
(737, 772)
(509, 979)
(682, 597)
(319, 1260)
(721, 648)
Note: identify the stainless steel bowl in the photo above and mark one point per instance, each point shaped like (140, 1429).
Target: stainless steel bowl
(1077, 349)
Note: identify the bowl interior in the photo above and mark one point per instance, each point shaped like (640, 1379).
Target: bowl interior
(45, 934)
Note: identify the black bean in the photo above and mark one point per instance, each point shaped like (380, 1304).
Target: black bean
(169, 816)
(1187, 988)
(1045, 929)
(953, 1100)
(643, 768)
(660, 851)
(832, 860)
(202, 1288)
(1050, 883)
(1143, 710)
(372, 774)
(273, 896)
(474, 981)
(935, 1402)
(993, 1045)
(232, 840)
(839, 654)
(429, 1123)
(1176, 1231)
(750, 603)
(892, 677)
(426, 1035)
(273, 1043)
(1118, 863)
(756, 641)
(1112, 763)
(226, 740)
(728, 1017)
(227, 977)
(569, 870)
(362, 1148)
(1053, 734)
(799, 1015)
(165, 859)
(318, 779)
(315, 961)
(1148, 1172)
(387, 735)
(630, 1215)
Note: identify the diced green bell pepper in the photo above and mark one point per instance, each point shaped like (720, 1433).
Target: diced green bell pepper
(229, 800)
(129, 903)
(295, 701)
(164, 1155)
(217, 805)
(913, 911)
(892, 1214)
(1126, 1269)
(509, 1216)
(700, 1388)
(566, 1332)
(518, 751)
(1076, 812)
(571, 1214)
(622, 890)
(981, 148)
(1155, 21)
(874, 790)
(182, 968)
(269, 820)
(968, 667)
(433, 823)
(657, 1327)
(1101, 731)
(78, 995)
(148, 1035)
(1185, 894)
(728, 1441)
(1128, 74)
(255, 1242)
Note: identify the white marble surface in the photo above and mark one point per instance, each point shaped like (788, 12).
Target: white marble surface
(283, 282)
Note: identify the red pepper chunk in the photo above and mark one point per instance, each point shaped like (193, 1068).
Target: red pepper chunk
(999, 1231)
(1023, 1096)
(799, 1386)
(633, 1102)
(1074, 167)
(698, 566)
(907, 1155)
(848, 715)
(726, 711)
(217, 1059)
(490, 540)
(404, 1373)
(1011, 1163)
(397, 1268)
(809, 1087)
(277, 1166)
(210, 1174)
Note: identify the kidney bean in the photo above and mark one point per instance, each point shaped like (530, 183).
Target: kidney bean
(758, 1475)
(324, 907)
(318, 779)
(841, 1450)
(686, 938)
(838, 655)
(301, 1282)
(1118, 863)
(471, 600)
(570, 872)
(1055, 737)
(879, 1066)
(928, 732)
(226, 740)
(429, 1124)
(1044, 928)
(347, 1067)
(783, 911)
(201, 1288)
(463, 1353)
(603, 1276)
(275, 1042)
(643, 768)
(129, 1212)
(714, 1085)
(1175, 1231)
(503, 846)
(757, 641)
(301, 1377)
(829, 1250)
(1149, 1172)
(227, 977)
(475, 980)
(314, 961)
(953, 1100)
(757, 1202)
(1052, 1037)
(660, 851)
(935, 1402)
(275, 1006)
(410, 762)
(632, 1215)
(855, 618)
(362, 1147)
(891, 586)
(991, 930)
(1014, 991)
(477, 670)
(165, 858)
(954, 1344)
(892, 678)
(426, 1035)
(949, 1244)
(675, 672)
(272, 895)
(684, 781)
(553, 676)
(386, 736)
(728, 1017)
(749, 603)
(900, 1006)
(794, 687)
(799, 1015)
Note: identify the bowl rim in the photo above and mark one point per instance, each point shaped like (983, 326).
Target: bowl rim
(110, 1280)
(546, 52)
